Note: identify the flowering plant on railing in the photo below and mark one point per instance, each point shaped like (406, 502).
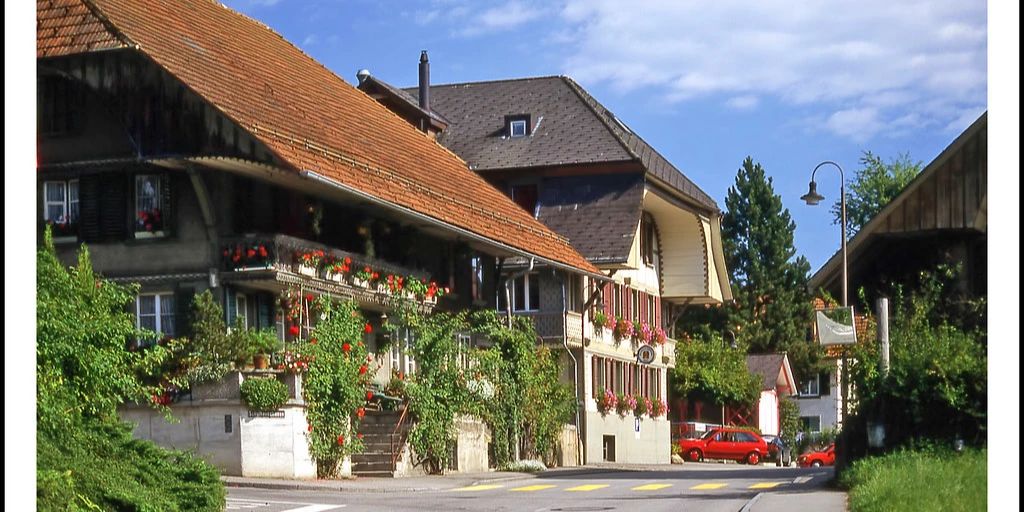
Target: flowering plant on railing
(365, 274)
(149, 220)
(658, 408)
(659, 336)
(296, 362)
(423, 290)
(341, 266)
(606, 401)
(599, 319)
(626, 403)
(623, 329)
(293, 306)
(643, 332)
(395, 284)
(250, 254)
(311, 258)
(643, 406)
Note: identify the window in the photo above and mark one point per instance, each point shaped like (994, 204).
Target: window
(650, 310)
(242, 308)
(574, 293)
(517, 128)
(477, 279)
(525, 293)
(810, 424)
(401, 352)
(60, 201)
(810, 387)
(648, 240)
(526, 197)
(744, 437)
(155, 312)
(635, 304)
(148, 206)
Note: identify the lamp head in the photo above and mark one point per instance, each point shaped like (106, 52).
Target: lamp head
(812, 197)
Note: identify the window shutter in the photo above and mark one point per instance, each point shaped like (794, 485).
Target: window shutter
(264, 311)
(643, 306)
(657, 311)
(166, 203)
(89, 208)
(608, 298)
(627, 303)
(183, 304)
(113, 203)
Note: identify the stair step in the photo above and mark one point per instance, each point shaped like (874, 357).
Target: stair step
(358, 467)
(371, 458)
(374, 474)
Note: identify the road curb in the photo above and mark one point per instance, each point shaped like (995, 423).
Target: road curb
(300, 486)
(750, 503)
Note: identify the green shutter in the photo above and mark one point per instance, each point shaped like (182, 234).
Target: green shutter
(183, 306)
(264, 310)
(230, 306)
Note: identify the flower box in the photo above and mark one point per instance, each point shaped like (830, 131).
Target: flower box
(307, 270)
(334, 276)
(149, 234)
(360, 283)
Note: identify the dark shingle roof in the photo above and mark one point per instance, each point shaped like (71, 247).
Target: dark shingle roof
(598, 214)
(767, 366)
(571, 127)
(309, 117)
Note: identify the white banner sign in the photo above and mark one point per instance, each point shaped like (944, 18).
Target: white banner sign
(836, 332)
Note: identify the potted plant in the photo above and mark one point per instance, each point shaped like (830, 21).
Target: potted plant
(606, 401)
(263, 394)
(599, 319)
(262, 343)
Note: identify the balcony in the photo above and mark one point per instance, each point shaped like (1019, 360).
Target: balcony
(552, 326)
(272, 262)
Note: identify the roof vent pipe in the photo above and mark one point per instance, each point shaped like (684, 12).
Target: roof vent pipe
(424, 81)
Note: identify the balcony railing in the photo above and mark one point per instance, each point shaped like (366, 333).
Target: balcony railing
(366, 279)
(553, 325)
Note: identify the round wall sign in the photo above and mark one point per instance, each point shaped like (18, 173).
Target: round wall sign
(645, 354)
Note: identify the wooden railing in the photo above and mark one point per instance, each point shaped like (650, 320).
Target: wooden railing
(396, 454)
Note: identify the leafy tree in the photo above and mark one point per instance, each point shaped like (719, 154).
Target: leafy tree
(708, 370)
(873, 186)
(771, 311)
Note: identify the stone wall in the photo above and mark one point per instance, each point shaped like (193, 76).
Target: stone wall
(652, 445)
(471, 445)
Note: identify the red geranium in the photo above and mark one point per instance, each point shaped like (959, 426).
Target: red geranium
(369, 395)
(310, 428)
(345, 347)
(367, 328)
(341, 440)
(251, 253)
(362, 369)
(309, 297)
(263, 251)
(360, 412)
(294, 330)
(312, 341)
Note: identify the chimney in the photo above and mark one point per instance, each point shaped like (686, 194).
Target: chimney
(424, 81)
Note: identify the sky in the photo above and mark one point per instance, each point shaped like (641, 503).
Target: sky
(707, 83)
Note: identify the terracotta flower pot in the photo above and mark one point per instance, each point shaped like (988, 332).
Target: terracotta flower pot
(259, 361)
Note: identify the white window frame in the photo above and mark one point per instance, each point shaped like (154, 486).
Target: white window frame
(401, 353)
(512, 128)
(811, 387)
(158, 297)
(68, 213)
(142, 233)
(241, 309)
(527, 307)
(809, 427)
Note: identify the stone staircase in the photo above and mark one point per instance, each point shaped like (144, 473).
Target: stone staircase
(377, 428)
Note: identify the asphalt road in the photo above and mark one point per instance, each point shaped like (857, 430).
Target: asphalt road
(705, 487)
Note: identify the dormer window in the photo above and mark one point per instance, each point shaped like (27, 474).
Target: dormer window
(517, 125)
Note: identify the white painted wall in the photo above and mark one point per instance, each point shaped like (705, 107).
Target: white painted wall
(827, 407)
(768, 412)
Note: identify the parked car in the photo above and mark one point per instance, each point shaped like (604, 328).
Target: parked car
(778, 451)
(825, 457)
(725, 443)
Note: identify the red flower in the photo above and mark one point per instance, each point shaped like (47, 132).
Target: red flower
(348, 261)
(375, 276)
(341, 440)
(369, 395)
(367, 270)
(263, 251)
(362, 369)
(367, 328)
(360, 436)
(312, 341)
(251, 253)
(345, 347)
(360, 412)
(226, 252)
(294, 330)
(309, 297)
(310, 428)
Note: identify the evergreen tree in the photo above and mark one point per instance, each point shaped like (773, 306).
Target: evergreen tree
(872, 187)
(771, 311)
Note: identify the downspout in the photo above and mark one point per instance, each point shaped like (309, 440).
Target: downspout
(598, 290)
(575, 365)
(508, 289)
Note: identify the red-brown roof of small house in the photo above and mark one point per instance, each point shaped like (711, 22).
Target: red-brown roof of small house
(308, 116)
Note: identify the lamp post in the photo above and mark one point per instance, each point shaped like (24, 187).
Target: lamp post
(812, 197)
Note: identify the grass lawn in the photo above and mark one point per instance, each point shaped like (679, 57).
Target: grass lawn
(919, 480)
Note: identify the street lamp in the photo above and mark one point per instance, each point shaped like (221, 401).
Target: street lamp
(812, 197)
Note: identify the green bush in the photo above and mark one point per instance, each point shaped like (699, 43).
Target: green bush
(263, 394)
(923, 479)
(98, 466)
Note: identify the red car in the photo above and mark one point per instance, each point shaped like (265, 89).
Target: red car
(726, 443)
(826, 457)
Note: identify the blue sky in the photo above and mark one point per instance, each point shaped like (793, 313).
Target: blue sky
(707, 83)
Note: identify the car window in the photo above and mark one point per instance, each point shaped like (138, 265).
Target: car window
(708, 434)
(744, 437)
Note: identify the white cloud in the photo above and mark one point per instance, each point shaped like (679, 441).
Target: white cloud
(309, 40)
(503, 17)
(880, 67)
(745, 102)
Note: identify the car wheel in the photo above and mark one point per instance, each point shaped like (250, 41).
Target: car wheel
(816, 464)
(753, 458)
(694, 455)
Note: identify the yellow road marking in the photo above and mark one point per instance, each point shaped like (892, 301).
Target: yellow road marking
(589, 487)
(532, 488)
(765, 485)
(708, 486)
(479, 487)
(651, 487)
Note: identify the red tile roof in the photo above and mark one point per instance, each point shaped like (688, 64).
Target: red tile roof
(306, 115)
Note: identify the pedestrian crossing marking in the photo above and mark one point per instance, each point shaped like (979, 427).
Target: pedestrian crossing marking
(588, 487)
(765, 485)
(479, 487)
(651, 487)
(708, 486)
(533, 488)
